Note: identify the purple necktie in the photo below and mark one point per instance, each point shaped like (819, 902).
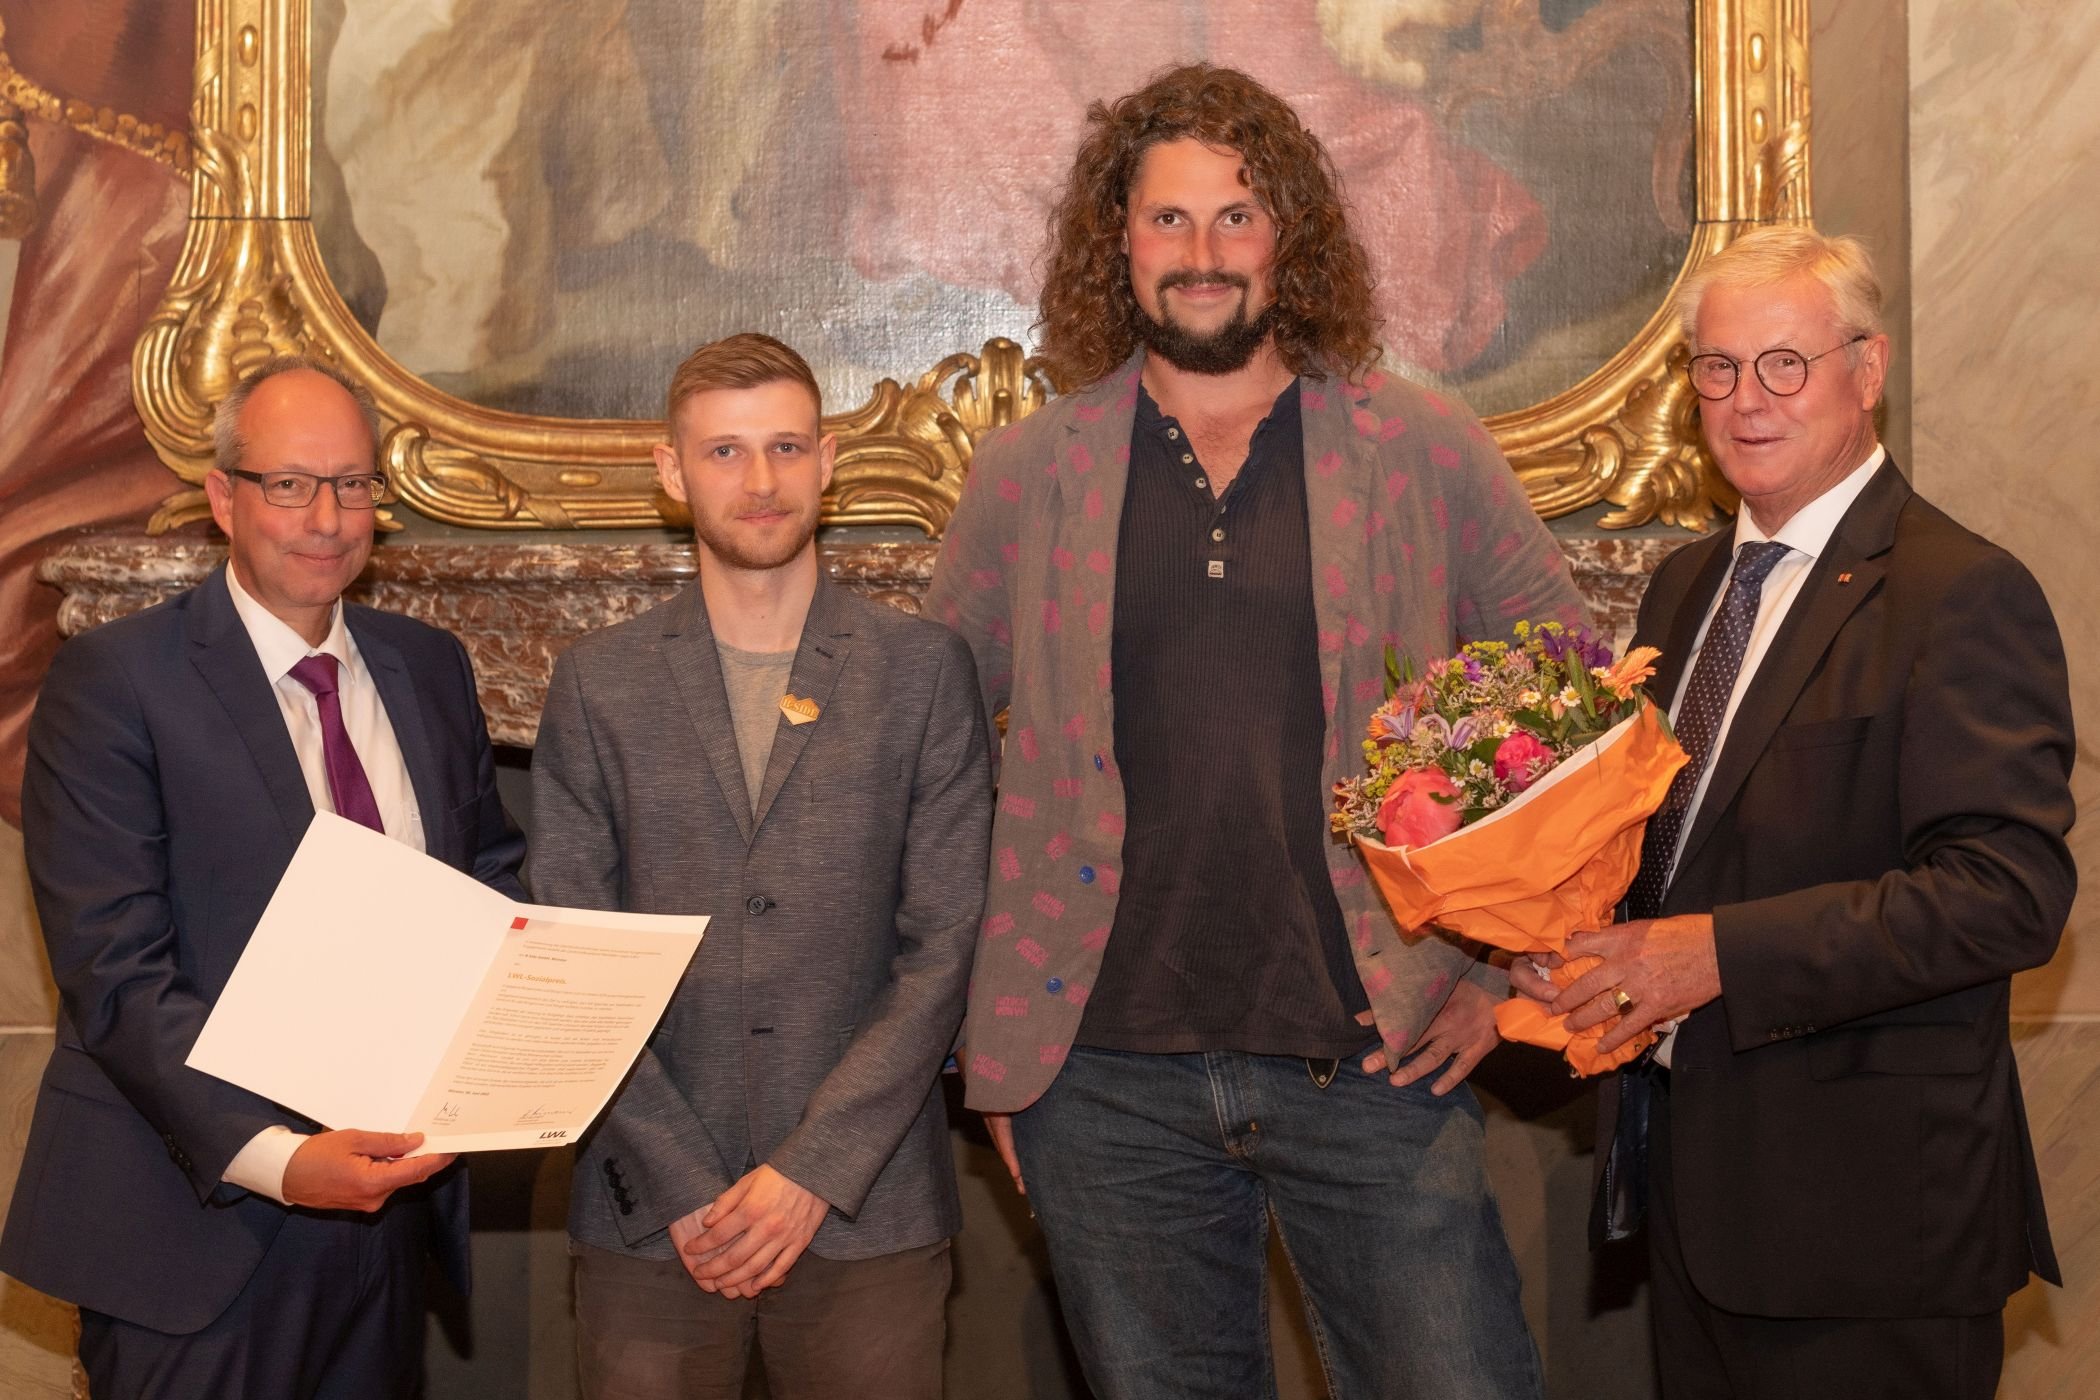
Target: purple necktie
(347, 786)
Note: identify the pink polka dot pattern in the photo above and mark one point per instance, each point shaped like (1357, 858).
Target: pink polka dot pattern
(1034, 538)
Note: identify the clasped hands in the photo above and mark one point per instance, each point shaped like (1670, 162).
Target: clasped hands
(746, 1239)
(1666, 969)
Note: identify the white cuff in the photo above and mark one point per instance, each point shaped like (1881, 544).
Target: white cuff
(1667, 1045)
(259, 1167)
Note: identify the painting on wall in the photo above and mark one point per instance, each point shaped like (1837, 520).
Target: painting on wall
(538, 209)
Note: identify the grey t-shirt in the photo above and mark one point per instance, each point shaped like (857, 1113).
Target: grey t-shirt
(756, 682)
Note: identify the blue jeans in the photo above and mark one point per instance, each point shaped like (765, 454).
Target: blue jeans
(1154, 1178)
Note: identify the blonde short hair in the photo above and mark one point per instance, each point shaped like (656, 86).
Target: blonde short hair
(742, 361)
(1772, 255)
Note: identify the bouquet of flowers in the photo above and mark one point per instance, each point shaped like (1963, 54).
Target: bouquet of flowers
(1507, 791)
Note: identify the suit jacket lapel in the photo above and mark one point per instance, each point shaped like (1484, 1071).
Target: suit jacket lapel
(696, 674)
(404, 711)
(1819, 610)
(827, 637)
(226, 659)
(1340, 465)
(1683, 624)
(1093, 472)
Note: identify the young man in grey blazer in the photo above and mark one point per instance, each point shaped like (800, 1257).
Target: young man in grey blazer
(810, 769)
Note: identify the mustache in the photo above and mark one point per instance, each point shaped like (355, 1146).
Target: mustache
(1190, 277)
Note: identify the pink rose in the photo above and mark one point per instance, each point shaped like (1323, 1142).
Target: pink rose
(1411, 815)
(1521, 760)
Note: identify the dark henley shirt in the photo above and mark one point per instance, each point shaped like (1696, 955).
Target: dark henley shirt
(1227, 933)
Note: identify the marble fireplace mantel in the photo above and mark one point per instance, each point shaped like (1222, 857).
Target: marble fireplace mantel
(517, 602)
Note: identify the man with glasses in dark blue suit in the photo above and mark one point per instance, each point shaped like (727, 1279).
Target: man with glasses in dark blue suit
(218, 1244)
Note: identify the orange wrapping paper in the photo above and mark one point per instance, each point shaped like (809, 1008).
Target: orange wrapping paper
(1554, 862)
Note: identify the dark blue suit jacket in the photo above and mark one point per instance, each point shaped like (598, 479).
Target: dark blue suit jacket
(162, 801)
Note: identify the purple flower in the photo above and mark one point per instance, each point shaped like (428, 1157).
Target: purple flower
(1437, 725)
(1575, 643)
(1465, 732)
(1395, 723)
(1474, 671)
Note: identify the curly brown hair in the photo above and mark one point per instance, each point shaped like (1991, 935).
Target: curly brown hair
(1326, 320)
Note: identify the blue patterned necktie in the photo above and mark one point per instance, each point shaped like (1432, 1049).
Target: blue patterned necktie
(1622, 1195)
(1699, 719)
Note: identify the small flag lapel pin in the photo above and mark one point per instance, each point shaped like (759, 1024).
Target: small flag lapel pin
(1844, 578)
(800, 711)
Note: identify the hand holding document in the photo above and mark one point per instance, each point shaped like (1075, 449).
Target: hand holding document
(385, 990)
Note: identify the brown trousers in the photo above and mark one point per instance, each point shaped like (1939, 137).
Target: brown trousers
(869, 1328)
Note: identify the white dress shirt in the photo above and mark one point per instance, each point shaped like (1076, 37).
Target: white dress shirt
(259, 1166)
(1806, 535)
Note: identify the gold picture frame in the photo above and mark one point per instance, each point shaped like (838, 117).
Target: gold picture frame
(251, 284)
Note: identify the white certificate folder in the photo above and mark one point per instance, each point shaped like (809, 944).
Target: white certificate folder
(385, 990)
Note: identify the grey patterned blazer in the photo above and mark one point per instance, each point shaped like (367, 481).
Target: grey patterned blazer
(810, 1029)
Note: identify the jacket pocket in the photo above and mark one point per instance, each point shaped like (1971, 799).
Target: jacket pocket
(1895, 1049)
(1821, 734)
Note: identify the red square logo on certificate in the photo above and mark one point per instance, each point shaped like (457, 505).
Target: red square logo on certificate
(518, 923)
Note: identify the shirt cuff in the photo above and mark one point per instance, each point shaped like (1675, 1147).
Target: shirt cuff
(259, 1167)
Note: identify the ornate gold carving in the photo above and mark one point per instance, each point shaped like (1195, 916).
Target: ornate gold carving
(230, 306)
(251, 282)
(1628, 435)
(1645, 460)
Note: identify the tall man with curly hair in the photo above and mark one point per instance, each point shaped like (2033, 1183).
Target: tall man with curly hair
(1190, 1014)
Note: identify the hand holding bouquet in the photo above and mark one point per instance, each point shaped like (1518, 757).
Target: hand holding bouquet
(1507, 792)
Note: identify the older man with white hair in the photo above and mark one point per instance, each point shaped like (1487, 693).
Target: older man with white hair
(1868, 842)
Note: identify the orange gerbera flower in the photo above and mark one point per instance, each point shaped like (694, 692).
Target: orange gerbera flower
(1630, 670)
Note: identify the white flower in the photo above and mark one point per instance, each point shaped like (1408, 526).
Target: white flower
(1568, 697)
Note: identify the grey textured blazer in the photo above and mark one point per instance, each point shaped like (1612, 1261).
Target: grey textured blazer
(810, 1029)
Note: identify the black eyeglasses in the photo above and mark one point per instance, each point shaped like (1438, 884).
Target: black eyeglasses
(294, 490)
(1781, 371)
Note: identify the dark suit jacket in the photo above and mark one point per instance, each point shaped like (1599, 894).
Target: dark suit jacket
(810, 1028)
(1881, 846)
(162, 801)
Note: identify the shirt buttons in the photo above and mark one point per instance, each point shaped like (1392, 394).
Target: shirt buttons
(1174, 433)
(1201, 484)
(1218, 535)
(755, 905)
(1188, 457)
(1086, 874)
(1054, 985)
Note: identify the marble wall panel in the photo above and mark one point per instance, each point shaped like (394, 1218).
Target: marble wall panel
(1859, 93)
(2005, 185)
(2052, 1335)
